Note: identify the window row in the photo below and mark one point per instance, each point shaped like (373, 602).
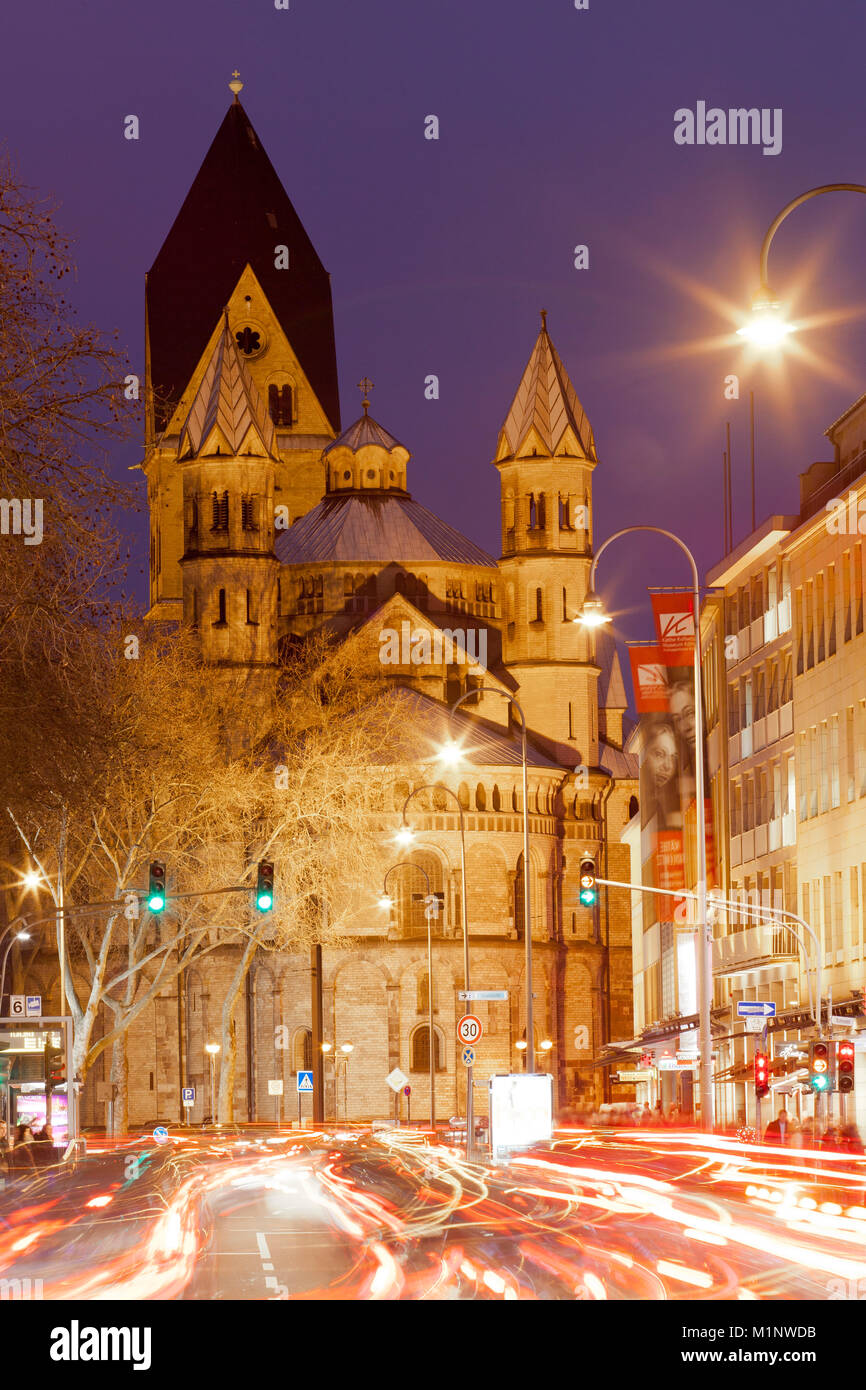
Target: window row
(250, 513)
(835, 907)
(821, 770)
(767, 596)
(763, 796)
(765, 689)
(219, 608)
(829, 609)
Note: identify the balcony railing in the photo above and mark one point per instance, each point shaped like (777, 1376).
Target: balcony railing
(766, 944)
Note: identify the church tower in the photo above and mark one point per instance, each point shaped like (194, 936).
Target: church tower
(227, 461)
(237, 248)
(545, 456)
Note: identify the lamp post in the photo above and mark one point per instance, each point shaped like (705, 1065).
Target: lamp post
(767, 328)
(452, 755)
(18, 936)
(212, 1049)
(592, 615)
(345, 1048)
(429, 913)
(406, 836)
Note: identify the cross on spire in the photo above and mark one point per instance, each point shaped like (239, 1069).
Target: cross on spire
(236, 85)
(365, 385)
(544, 320)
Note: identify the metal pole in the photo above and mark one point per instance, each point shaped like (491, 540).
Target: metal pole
(730, 487)
(527, 914)
(430, 1034)
(789, 208)
(704, 937)
(752, 450)
(212, 1090)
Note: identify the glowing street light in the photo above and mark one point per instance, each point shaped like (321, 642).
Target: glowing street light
(386, 902)
(347, 1047)
(545, 1045)
(451, 753)
(521, 1045)
(32, 879)
(767, 328)
(405, 835)
(592, 614)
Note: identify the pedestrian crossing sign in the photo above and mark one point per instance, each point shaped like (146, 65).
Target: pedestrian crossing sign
(305, 1081)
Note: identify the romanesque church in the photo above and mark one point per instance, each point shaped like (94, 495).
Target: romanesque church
(269, 519)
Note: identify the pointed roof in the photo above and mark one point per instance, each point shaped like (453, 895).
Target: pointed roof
(365, 430)
(236, 213)
(228, 406)
(547, 403)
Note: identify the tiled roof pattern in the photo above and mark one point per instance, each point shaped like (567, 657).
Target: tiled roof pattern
(228, 400)
(547, 402)
(365, 430)
(378, 529)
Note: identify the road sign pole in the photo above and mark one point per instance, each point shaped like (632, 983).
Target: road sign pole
(299, 1110)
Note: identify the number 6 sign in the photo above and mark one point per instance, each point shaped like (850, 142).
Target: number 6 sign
(469, 1029)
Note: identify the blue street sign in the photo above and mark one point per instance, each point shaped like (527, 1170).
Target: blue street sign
(468, 1057)
(760, 1008)
(305, 1081)
(160, 1134)
(187, 1095)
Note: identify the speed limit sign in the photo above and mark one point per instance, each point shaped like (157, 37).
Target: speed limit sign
(469, 1029)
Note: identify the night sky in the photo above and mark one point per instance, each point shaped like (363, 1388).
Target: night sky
(556, 128)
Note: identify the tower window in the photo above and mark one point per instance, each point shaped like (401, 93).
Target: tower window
(564, 518)
(220, 505)
(248, 514)
(193, 518)
(564, 606)
(571, 733)
(539, 613)
(221, 607)
(280, 404)
(251, 618)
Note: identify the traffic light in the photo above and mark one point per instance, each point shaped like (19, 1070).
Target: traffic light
(762, 1075)
(156, 887)
(588, 889)
(819, 1066)
(845, 1066)
(55, 1071)
(265, 887)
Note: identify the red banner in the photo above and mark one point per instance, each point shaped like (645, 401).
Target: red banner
(675, 627)
(649, 677)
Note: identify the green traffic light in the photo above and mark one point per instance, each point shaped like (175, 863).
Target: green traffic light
(588, 897)
(264, 902)
(819, 1083)
(155, 903)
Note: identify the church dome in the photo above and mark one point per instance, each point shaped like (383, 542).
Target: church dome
(375, 528)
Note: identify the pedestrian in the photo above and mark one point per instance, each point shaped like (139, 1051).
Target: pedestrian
(43, 1147)
(20, 1156)
(658, 1115)
(646, 1116)
(674, 1118)
(778, 1130)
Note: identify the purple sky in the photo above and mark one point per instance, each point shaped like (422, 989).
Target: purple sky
(556, 129)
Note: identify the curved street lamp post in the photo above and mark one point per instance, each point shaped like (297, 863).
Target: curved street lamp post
(592, 615)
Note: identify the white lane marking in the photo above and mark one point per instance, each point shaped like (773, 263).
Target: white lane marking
(262, 1243)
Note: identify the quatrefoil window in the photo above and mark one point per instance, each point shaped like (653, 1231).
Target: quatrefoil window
(249, 340)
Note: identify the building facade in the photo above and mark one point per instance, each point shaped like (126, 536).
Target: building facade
(269, 522)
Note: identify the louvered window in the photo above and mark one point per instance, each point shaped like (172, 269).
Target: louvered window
(280, 404)
(220, 505)
(248, 514)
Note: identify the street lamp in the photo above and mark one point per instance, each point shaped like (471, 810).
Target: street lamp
(212, 1049)
(429, 913)
(18, 936)
(451, 754)
(32, 879)
(767, 328)
(345, 1049)
(704, 937)
(406, 835)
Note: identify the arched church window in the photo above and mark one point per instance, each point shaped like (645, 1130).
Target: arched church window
(480, 797)
(420, 1049)
(533, 514)
(463, 796)
(633, 806)
(221, 606)
(539, 611)
(497, 799)
(519, 904)
(540, 511)
(515, 804)
(302, 1050)
(280, 405)
(193, 518)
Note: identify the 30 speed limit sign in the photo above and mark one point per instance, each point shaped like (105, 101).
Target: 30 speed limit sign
(469, 1029)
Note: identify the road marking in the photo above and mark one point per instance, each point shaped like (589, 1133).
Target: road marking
(262, 1243)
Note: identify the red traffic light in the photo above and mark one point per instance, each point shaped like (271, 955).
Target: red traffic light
(845, 1066)
(762, 1075)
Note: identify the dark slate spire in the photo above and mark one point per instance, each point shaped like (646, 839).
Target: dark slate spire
(236, 212)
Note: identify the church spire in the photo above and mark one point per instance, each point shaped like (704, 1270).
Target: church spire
(227, 415)
(546, 416)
